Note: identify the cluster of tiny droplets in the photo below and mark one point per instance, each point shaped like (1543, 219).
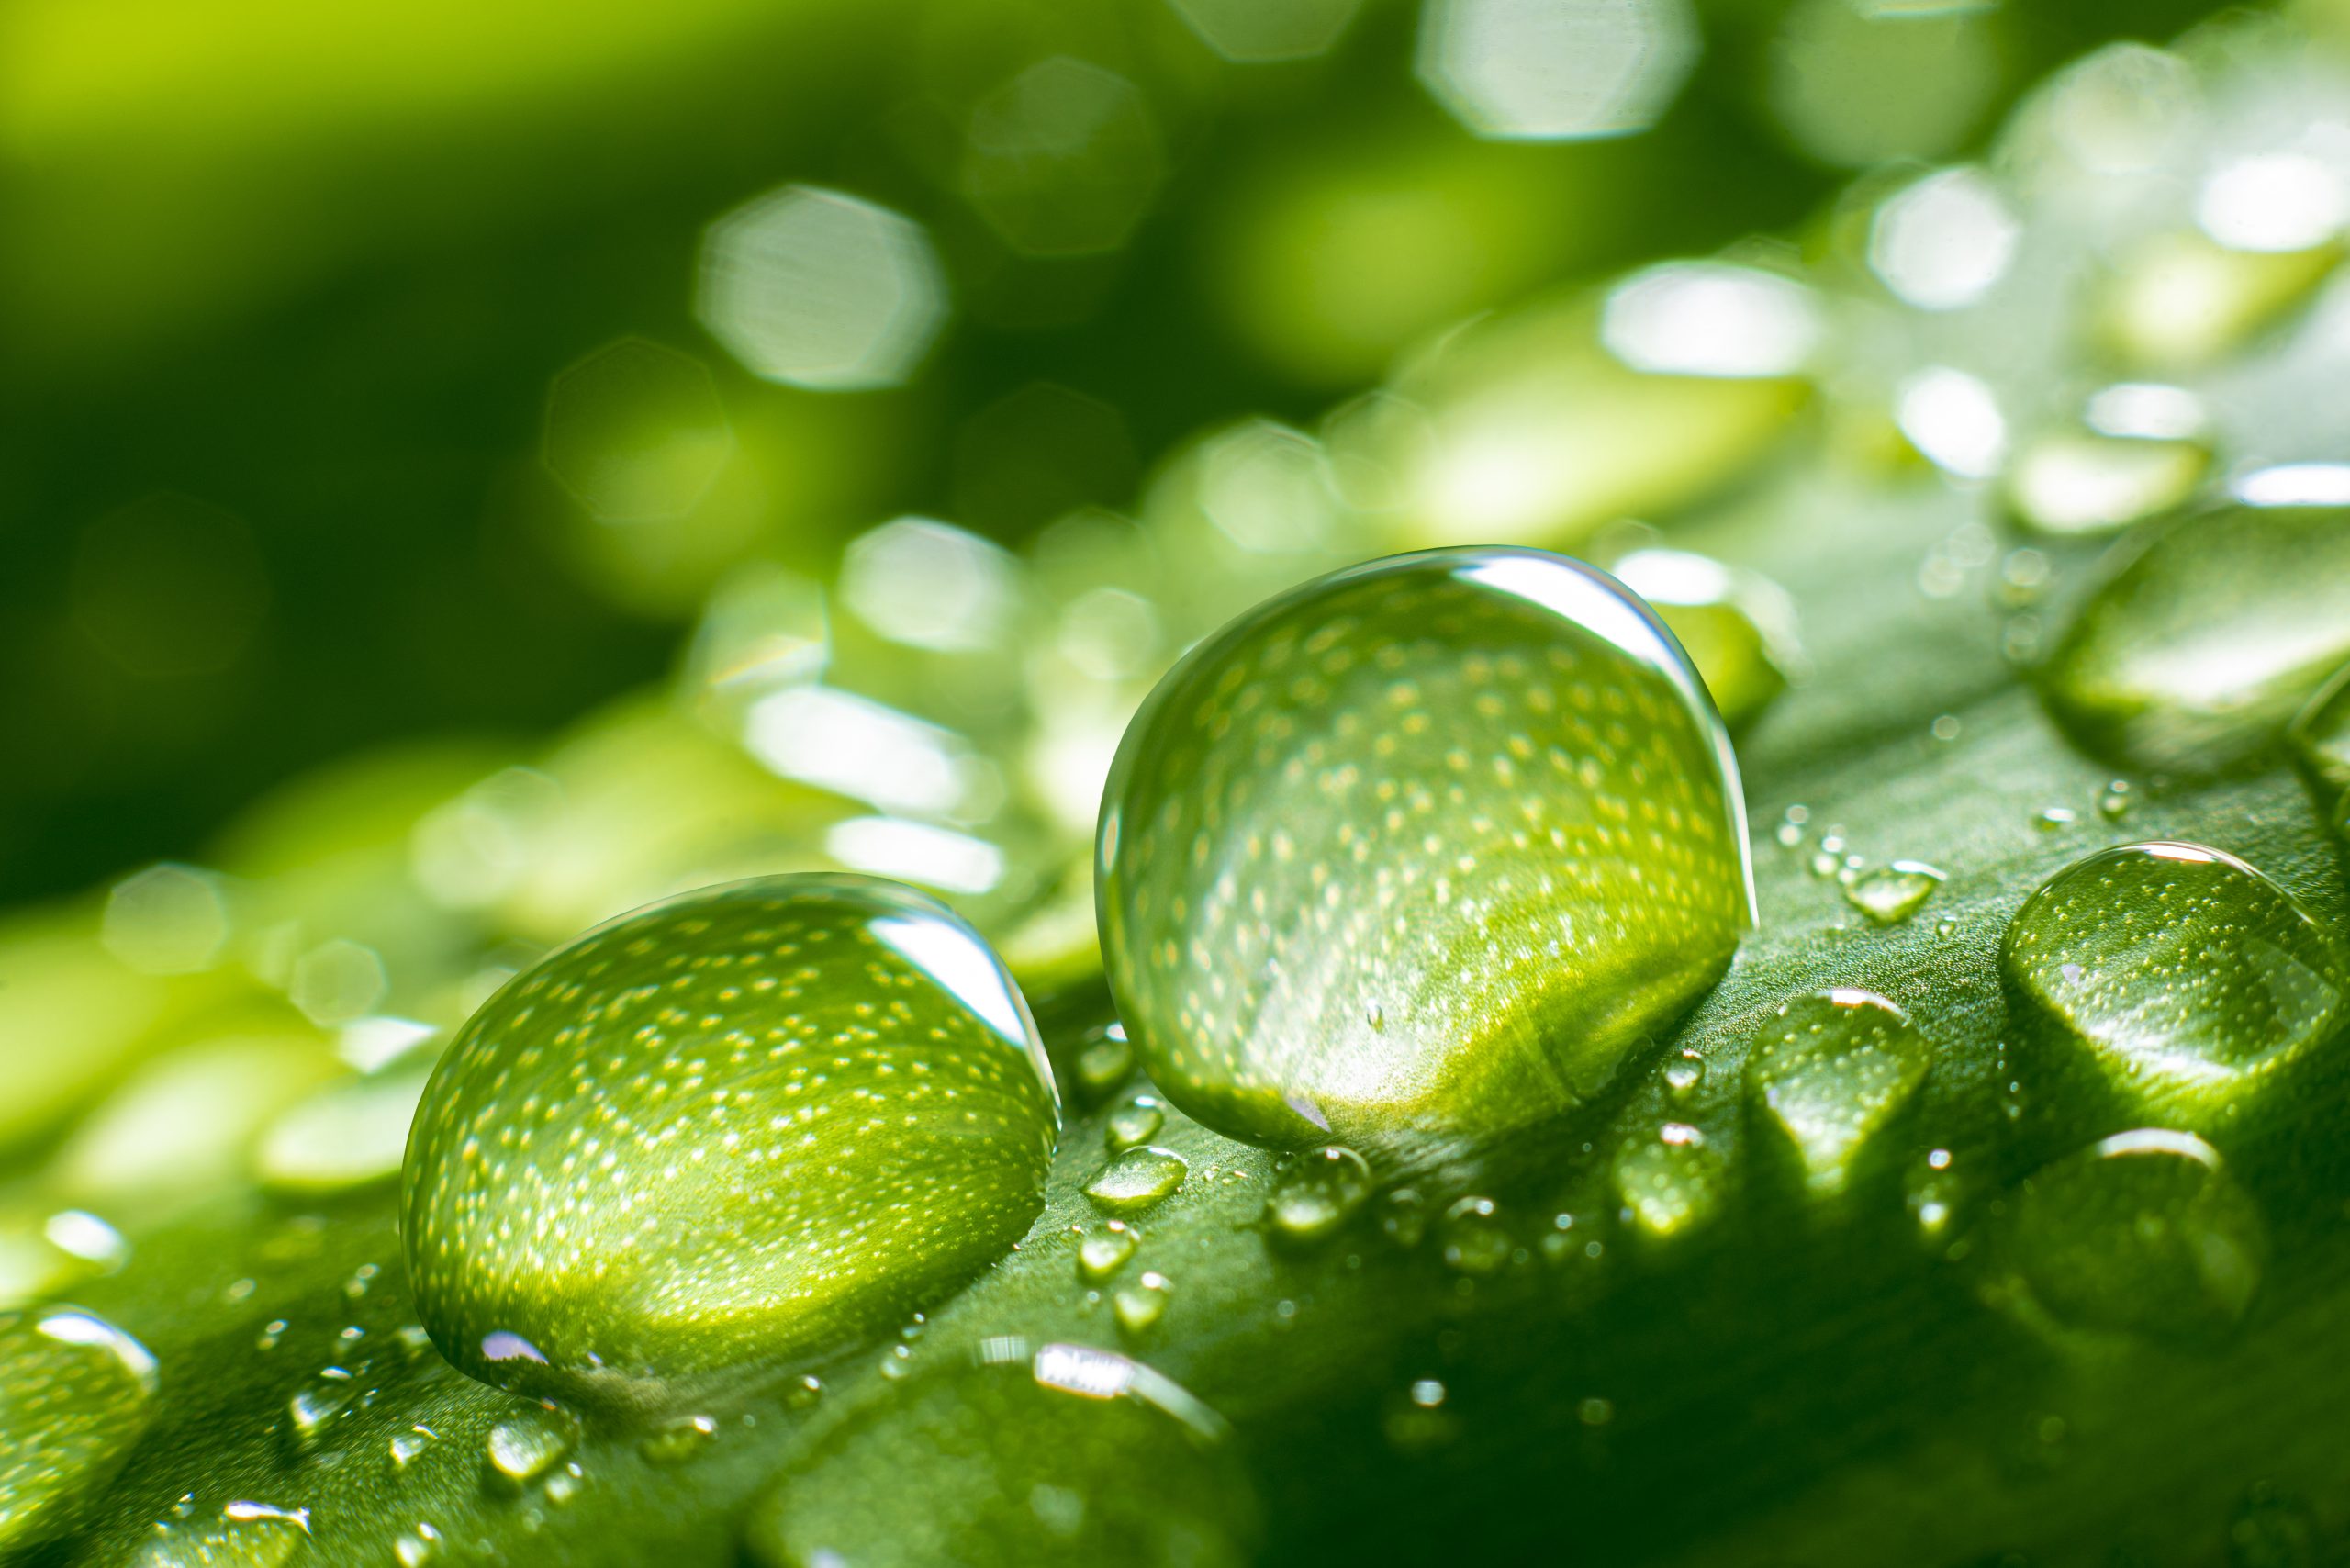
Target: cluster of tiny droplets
(1404, 818)
(732, 1125)
(1833, 1068)
(2178, 965)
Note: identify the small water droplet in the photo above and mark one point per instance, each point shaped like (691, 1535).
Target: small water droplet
(1136, 1180)
(564, 1485)
(1824, 865)
(1830, 1070)
(2113, 801)
(1685, 1072)
(1475, 1238)
(1595, 1412)
(1891, 895)
(2184, 974)
(1670, 1183)
(1317, 1196)
(318, 1404)
(1390, 767)
(1132, 1124)
(2054, 819)
(1420, 1419)
(1403, 1217)
(526, 1446)
(1104, 1252)
(1139, 1307)
(678, 1441)
(1104, 1062)
(408, 1446)
(417, 1547)
(2142, 1234)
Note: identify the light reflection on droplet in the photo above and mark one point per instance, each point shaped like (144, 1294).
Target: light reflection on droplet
(916, 852)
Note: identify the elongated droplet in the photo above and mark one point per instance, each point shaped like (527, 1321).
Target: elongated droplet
(1136, 1180)
(75, 1394)
(1063, 1455)
(2321, 733)
(2197, 652)
(2143, 1234)
(1829, 1072)
(1891, 895)
(734, 1126)
(2186, 977)
(247, 1534)
(1478, 795)
(1314, 1198)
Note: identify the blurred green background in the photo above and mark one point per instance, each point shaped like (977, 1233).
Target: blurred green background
(289, 464)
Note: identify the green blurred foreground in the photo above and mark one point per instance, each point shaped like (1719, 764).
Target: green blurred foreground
(645, 451)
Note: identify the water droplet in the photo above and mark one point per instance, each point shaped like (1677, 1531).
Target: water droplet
(2113, 801)
(1830, 1070)
(1106, 1061)
(1132, 1124)
(75, 1394)
(1668, 1182)
(247, 1535)
(418, 1547)
(1317, 1196)
(564, 1485)
(318, 1404)
(1139, 1307)
(2142, 1234)
(1824, 865)
(832, 1074)
(2321, 733)
(1684, 1072)
(1136, 1180)
(1891, 895)
(1474, 1236)
(1483, 787)
(2193, 654)
(678, 1441)
(1105, 1251)
(1403, 1217)
(1419, 1420)
(1595, 1411)
(408, 1447)
(1081, 1456)
(2054, 819)
(525, 1445)
(2186, 976)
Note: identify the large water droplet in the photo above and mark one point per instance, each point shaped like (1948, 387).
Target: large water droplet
(1314, 1198)
(75, 1394)
(742, 1124)
(1065, 1455)
(1831, 1070)
(2193, 654)
(247, 1535)
(2187, 976)
(2142, 1234)
(1478, 795)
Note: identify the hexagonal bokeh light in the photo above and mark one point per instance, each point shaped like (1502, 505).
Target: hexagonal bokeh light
(1556, 70)
(1062, 160)
(813, 288)
(636, 431)
(1251, 31)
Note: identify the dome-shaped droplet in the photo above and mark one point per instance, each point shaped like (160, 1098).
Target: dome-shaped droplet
(1065, 1455)
(75, 1394)
(1670, 1183)
(1891, 895)
(1315, 1197)
(2142, 1234)
(2186, 976)
(741, 1124)
(1829, 1072)
(1430, 844)
(2193, 654)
